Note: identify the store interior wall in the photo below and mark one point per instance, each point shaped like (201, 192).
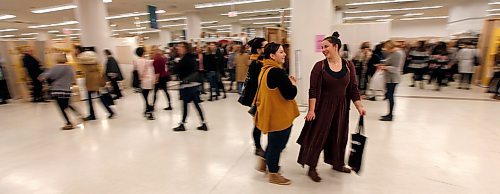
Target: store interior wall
(419, 28)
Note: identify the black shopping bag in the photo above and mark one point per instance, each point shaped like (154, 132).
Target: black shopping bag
(358, 141)
(106, 97)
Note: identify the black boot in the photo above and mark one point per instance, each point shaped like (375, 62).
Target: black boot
(203, 127)
(180, 128)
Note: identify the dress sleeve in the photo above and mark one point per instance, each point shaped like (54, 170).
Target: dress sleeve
(353, 85)
(315, 75)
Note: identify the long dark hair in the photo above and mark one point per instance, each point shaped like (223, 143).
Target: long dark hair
(256, 45)
(334, 39)
(440, 49)
(271, 48)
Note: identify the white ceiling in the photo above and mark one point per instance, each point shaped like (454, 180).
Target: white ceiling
(178, 8)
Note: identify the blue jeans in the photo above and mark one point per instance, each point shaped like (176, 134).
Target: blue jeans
(276, 143)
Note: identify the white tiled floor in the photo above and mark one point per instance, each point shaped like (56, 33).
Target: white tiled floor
(433, 146)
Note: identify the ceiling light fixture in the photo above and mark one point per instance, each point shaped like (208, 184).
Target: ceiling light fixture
(493, 10)
(227, 3)
(380, 2)
(60, 7)
(262, 18)
(366, 17)
(55, 24)
(263, 23)
(28, 34)
(412, 14)
(4, 17)
(173, 25)
(145, 32)
(384, 20)
(134, 14)
(53, 31)
(28, 38)
(209, 22)
(220, 26)
(425, 18)
(129, 29)
(9, 30)
(258, 11)
(494, 3)
(163, 20)
(391, 10)
(7, 36)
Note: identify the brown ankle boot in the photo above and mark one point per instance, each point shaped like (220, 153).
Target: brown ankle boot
(313, 174)
(276, 178)
(261, 166)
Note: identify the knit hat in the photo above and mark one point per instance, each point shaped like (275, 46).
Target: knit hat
(87, 57)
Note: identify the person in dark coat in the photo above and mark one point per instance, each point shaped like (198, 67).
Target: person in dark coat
(113, 73)
(189, 87)
(34, 69)
(213, 61)
(333, 85)
(4, 89)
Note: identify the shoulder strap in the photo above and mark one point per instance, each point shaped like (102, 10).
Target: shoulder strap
(260, 82)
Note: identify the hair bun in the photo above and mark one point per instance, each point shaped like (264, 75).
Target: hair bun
(336, 34)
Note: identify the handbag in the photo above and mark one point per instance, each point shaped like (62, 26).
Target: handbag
(358, 141)
(253, 109)
(106, 97)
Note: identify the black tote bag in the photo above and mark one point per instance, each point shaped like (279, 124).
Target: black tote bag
(358, 141)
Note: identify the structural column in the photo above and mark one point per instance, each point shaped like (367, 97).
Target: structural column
(259, 32)
(165, 37)
(42, 36)
(235, 28)
(95, 31)
(193, 30)
(303, 48)
(467, 16)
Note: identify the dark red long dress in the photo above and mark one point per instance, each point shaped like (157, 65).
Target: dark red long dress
(330, 130)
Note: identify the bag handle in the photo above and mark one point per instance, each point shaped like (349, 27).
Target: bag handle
(361, 125)
(258, 86)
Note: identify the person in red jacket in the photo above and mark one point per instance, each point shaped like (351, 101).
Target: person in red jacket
(161, 71)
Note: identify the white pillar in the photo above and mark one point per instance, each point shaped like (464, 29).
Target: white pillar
(95, 31)
(235, 28)
(193, 30)
(42, 36)
(339, 18)
(259, 32)
(304, 39)
(165, 37)
(466, 16)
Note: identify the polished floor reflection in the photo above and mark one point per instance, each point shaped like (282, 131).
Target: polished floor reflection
(435, 145)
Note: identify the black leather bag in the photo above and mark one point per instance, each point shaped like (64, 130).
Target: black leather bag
(253, 108)
(358, 141)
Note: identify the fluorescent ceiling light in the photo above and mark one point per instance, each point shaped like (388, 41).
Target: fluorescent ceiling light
(134, 14)
(129, 29)
(209, 22)
(4, 17)
(492, 10)
(384, 20)
(398, 9)
(425, 18)
(494, 14)
(60, 7)
(62, 35)
(145, 32)
(53, 31)
(225, 31)
(263, 23)
(367, 17)
(227, 3)
(258, 11)
(55, 24)
(73, 29)
(412, 14)
(173, 25)
(57, 39)
(380, 2)
(262, 18)
(28, 38)
(163, 20)
(9, 30)
(7, 36)
(220, 26)
(55, 8)
(29, 34)
(113, 25)
(494, 3)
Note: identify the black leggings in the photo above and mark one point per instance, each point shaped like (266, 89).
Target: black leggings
(256, 137)
(145, 94)
(185, 110)
(63, 104)
(162, 84)
(391, 88)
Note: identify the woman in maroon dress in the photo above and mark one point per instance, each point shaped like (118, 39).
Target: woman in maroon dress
(333, 85)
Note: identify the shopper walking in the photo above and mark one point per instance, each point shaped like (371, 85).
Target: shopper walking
(93, 82)
(439, 63)
(34, 70)
(419, 59)
(276, 109)
(4, 89)
(212, 60)
(113, 73)
(361, 64)
(189, 88)
(333, 84)
(242, 61)
(61, 77)
(147, 77)
(392, 67)
(247, 98)
(466, 58)
(161, 71)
